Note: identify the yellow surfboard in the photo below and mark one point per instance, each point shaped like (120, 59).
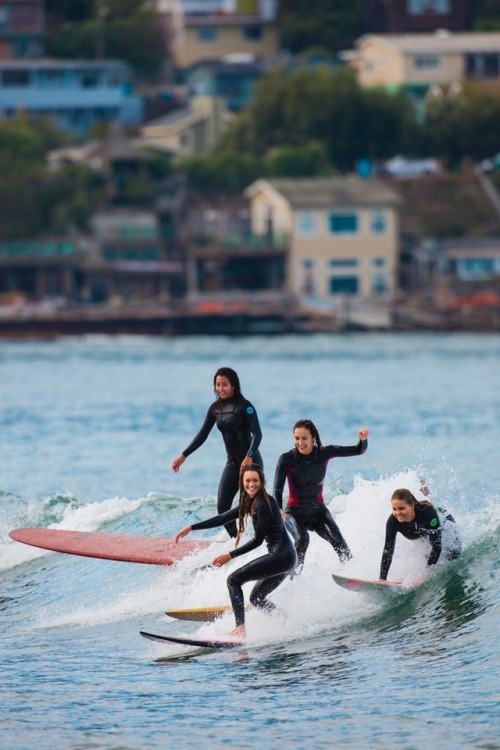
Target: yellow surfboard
(201, 614)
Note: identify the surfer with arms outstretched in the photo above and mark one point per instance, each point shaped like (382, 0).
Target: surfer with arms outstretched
(238, 423)
(304, 468)
(415, 519)
(269, 570)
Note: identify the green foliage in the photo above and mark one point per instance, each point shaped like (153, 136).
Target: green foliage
(322, 105)
(33, 200)
(140, 42)
(28, 138)
(63, 11)
(464, 125)
(321, 23)
(293, 161)
(486, 15)
(128, 30)
(222, 172)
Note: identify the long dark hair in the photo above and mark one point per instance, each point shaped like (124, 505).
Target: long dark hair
(308, 425)
(248, 505)
(232, 376)
(407, 497)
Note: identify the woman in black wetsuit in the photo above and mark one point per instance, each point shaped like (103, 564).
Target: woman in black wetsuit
(237, 420)
(269, 570)
(304, 467)
(415, 519)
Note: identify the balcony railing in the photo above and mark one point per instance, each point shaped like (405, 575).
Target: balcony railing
(17, 249)
(243, 241)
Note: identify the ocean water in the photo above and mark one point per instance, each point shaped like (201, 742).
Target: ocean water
(88, 429)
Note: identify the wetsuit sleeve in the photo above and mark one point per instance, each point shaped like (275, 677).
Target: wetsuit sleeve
(432, 525)
(255, 431)
(279, 480)
(220, 520)
(436, 546)
(388, 552)
(342, 451)
(202, 435)
(263, 521)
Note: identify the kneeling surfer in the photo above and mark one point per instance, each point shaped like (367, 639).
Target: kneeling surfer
(415, 519)
(271, 569)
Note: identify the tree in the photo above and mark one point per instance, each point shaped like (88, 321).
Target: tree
(464, 124)
(33, 200)
(320, 23)
(293, 161)
(319, 104)
(129, 30)
(222, 172)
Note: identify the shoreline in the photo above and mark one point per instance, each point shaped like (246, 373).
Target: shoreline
(154, 320)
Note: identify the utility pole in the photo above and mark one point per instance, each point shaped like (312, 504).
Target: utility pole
(102, 12)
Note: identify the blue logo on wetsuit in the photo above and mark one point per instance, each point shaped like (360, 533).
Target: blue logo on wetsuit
(250, 409)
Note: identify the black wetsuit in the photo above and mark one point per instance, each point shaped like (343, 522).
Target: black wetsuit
(427, 522)
(306, 507)
(238, 423)
(269, 570)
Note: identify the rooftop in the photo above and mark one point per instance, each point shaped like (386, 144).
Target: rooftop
(332, 191)
(441, 41)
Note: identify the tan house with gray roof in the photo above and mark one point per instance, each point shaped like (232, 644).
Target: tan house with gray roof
(417, 62)
(343, 233)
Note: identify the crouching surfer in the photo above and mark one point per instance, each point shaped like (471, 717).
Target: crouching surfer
(271, 569)
(415, 519)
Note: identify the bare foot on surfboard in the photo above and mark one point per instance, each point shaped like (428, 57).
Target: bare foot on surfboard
(239, 631)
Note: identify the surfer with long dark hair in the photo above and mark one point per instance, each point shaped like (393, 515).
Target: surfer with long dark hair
(304, 468)
(269, 570)
(237, 420)
(415, 519)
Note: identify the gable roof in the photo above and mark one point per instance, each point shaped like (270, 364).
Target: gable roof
(319, 193)
(438, 43)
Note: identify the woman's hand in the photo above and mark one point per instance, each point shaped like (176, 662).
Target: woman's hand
(363, 433)
(177, 462)
(221, 560)
(182, 532)
(246, 462)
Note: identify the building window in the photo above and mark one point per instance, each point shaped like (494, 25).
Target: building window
(378, 222)
(22, 47)
(307, 277)
(89, 79)
(428, 7)
(379, 262)
(342, 223)
(207, 34)
(344, 285)
(252, 33)
(475, 268)
(51, 77)
(380, 284)
(427, 62)
(343, 263)
(306, 224)
(15, 78)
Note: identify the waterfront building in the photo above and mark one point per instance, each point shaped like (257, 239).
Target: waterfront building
(342, 234)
